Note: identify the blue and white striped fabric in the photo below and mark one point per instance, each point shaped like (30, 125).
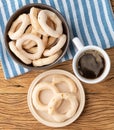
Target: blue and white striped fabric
(91, 20)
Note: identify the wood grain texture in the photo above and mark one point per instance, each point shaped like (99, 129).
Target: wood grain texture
(98, 113)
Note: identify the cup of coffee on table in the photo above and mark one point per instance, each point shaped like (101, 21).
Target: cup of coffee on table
(91, 64)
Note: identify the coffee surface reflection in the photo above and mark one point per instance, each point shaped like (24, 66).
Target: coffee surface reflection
(91, 64)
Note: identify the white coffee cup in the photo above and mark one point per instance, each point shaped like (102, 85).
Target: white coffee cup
(81, 49)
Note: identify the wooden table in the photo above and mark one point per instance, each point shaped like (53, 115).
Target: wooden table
(97, 115)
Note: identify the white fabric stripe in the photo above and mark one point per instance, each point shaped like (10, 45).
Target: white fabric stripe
(48, 2)
(101, 24)
(107, 19)
(0, 4)
(23, 2)
(84, 22)
(68, 18)
(4, 55)
(62, 60)
(67, 15)
(26, 70)
(15, 64)
(76, 21)
(16, 4)
(9, 7)
(31, 1)
(39, 1)
(92, 24)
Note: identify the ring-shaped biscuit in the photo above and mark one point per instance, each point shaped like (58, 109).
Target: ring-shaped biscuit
(29, 44)
(51, 41)
(46, 60)
(61, 78)
(42, 18)
(34, 20)
(15, 34)
(40, 46)
(28, 30)
(18, 26)
(32, 50)
(36, 93)
(50, 23)
(57, 47)
(36, 33)
(14, 49)
(52, 109)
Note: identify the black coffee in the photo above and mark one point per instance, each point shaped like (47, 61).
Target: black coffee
(91, 64)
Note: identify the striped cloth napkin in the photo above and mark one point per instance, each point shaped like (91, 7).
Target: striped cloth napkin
(91, 20)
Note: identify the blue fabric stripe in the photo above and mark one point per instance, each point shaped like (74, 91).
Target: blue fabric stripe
(9, 58)
(2, 59)
(6, 9)
(80, 22)
(52, 3)
(1, 21)
(88, 23)
(19, 3)
(0, 50)
(97, 24)
(71, 17)
(0, 41)
(27, 1)
(35, 1)
(62, 10)
(47, 3)
(12, 64)
(43, 1)
(4, 66)
(104, 21)
(110, 13)
(70, 45)
(13, 7)
(72, 26)
(7, 75)
(23, 2)
(20, 67)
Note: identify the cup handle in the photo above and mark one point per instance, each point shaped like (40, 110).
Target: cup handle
(78, 44)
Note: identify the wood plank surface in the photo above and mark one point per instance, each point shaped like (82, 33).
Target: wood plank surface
(98, 113)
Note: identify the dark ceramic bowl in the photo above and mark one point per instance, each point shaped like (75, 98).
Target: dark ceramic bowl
(26, 9)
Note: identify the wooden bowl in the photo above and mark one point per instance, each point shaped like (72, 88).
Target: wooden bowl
(47, 76)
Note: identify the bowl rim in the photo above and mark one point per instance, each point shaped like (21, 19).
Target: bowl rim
(82, 96)
(39, 5)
